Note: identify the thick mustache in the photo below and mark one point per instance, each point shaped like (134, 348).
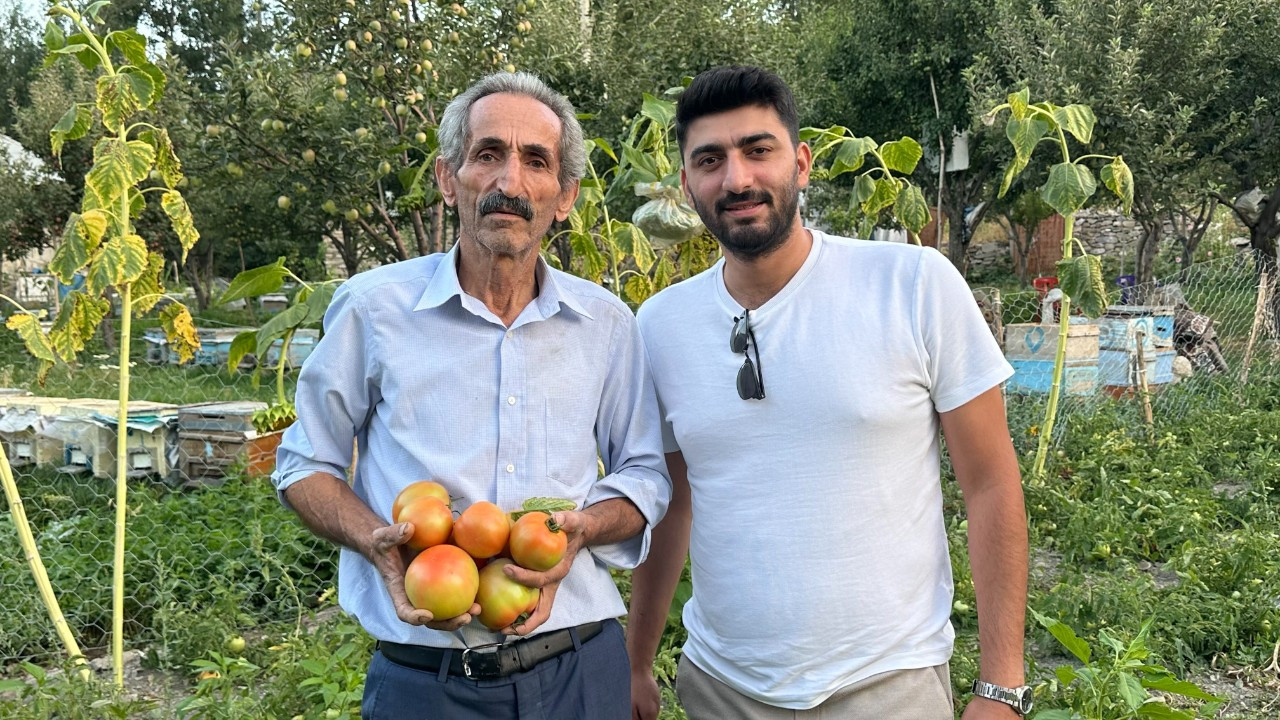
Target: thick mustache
(753, 196)
(498, 202)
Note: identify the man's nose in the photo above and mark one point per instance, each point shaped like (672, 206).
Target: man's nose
(737, 175)
(511, 177)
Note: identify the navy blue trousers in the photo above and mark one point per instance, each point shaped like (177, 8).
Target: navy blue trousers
(590, 682)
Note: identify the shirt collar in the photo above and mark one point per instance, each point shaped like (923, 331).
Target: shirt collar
(444, 285)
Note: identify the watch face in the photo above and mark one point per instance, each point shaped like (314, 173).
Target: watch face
(1025, 700)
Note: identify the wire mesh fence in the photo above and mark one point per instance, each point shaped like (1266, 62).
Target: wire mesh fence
(209, 545)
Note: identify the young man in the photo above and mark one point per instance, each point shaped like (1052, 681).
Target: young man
(501, 378)
(803, 382)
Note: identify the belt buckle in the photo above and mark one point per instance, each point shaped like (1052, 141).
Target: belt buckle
(482, 670)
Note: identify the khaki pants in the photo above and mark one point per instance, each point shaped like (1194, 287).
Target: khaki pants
(922, 694)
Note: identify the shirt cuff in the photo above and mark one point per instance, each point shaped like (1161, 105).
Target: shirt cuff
(650, 496)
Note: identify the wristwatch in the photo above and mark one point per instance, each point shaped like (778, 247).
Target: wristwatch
(1020, 698)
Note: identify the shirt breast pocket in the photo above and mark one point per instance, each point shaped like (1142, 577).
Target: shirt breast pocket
(570, 434)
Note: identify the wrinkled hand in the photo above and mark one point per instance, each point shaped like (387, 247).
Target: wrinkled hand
(389, 554)
(646, 699)
(984, 709)
(573, 523)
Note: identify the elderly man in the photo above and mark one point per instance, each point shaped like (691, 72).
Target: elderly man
(500, 378)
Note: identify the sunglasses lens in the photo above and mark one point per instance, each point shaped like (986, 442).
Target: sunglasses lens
(748, 382)
(738, 337)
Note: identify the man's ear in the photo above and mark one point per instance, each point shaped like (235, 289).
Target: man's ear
(445, 180)
(804, 164)
(684, 185)
(568, 197)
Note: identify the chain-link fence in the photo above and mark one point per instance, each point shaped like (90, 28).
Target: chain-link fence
(1161, 347)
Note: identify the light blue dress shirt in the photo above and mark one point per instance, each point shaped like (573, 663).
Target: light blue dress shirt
(434, 386)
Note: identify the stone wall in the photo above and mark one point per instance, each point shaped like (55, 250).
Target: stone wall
(1101, 232)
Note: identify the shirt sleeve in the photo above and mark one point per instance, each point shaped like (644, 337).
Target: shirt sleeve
(337, 389)
(961, 357)
(629, 433)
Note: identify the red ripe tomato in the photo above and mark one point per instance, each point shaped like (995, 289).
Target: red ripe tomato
(482, 530)
(502, 600)
(432, 521)
(537, 543)
(442, 580)
(418, 490)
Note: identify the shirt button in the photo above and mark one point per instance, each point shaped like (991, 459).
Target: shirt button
(511, 468)
(508, 333)
(511, 400)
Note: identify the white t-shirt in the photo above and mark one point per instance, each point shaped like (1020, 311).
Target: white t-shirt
(818, 545)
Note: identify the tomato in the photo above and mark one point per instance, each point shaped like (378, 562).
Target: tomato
(502, 600)
(432, 521)
(537, 543)
(442, 580)
(482, 530)
(414, 491)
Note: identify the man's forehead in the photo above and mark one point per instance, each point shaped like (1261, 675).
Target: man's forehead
(514, 118)
(739, 122)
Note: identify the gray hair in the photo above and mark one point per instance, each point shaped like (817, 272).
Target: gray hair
(454, 133)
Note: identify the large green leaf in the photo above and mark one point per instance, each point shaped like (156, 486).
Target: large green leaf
(254, 282)
(662, 112)
(863, 188)
(117, 100)
(1156, 710)
(1081, 280)
(80, 238)
(37, 343)
(1077, 120)
(1069, 187)
(901, 155)
(175, 206)
(144, 88)
(1065, 635)
(318, 301)
(910, 208)
(851, 154)
(1170, 684)
(1119, 180)
(646, 170)
(1024, 135)
(180, 330)
(76, 323)
(117, 167)
(166, 160)
(243, 344)
(1055, 714)
(73, 125)
(885, 194)
(53, 37)
(88, 58)
(1130, 691)
(632, 241)
(288, 319)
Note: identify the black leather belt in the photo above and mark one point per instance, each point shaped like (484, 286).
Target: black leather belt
(488, 662)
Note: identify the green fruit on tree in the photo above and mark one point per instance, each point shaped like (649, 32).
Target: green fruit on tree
(426, 45)
(509, 68)
(379, 102)
(361, 132)
(234, 645)
(380, 71)
(234, 170)
(283, 202)
(304, 50)
(420, 137)
(368, 36)
(402, 110)
(154, 175)
(330, 207)
(531, 3)
(402, 43)
(350, 45)
(384, 168)
(352, 215)
(266, 125)
(454, 37)
(368, 209)
(213, 130)
(277, 125)
(309, 156)
(521, 8)
(395, 15)
(340, 78)
(340, 94)
(375, 26)
(426, 65)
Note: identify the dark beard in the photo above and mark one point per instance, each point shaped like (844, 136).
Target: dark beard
(750, 242)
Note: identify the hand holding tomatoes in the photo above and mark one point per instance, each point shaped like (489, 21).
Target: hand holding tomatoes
(388, 550)
(574, 526)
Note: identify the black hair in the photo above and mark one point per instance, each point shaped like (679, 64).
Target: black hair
(729, 88)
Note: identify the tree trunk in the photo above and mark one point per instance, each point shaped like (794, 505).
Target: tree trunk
(957, 238)
(437, 227)
(420, 233)
(1148, 247)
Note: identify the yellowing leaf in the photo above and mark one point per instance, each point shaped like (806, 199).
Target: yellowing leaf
(117, 100)
(901, 155)
(1119, 180)
(166, 160)
(121, 261)
(1077, 120)
(175, 206)
(147, 289)
(37, 343)
(910, 208)
(1018, 103)
(73, 125)
(1070, 185)
(180, 329)
(117, 167)
(76, 323)
(72, 252)
(884, 195)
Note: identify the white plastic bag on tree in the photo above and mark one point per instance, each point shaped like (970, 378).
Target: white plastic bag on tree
(666, 219)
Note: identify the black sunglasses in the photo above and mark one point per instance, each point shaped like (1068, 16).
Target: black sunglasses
(750, 375)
